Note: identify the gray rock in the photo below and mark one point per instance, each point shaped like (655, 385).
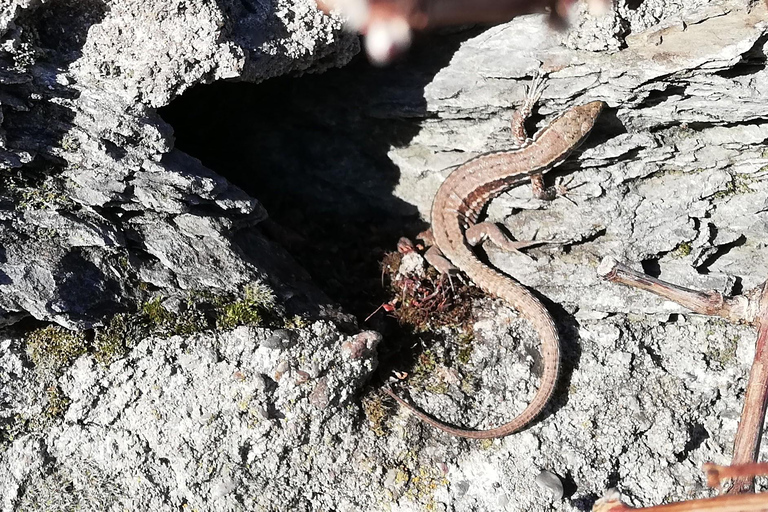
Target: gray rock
(98, 191)
(550, 482)
(97, 205)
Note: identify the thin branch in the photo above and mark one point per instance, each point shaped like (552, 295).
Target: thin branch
(725, 503)
(746, 446)
(743, 308)
(716, 474)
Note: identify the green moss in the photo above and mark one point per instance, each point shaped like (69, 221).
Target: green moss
(725, 354)
(70, 143)
(241, 312)
(161, 322)
(204, 310)
(682, 250)
(156, 314)
(113, 341)
(11, 428)
(296, 322)
(426, 364)
(258, 300)
(465, 348)
(739, 184)
(44, 196)
(423, 483)
(58, 403)
(376, 413)
(52, 349)
(260, 295)
(437, 388)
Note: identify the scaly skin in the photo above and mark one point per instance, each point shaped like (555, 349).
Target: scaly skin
(458, 204)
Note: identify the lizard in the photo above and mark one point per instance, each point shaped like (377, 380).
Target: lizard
(454, 231)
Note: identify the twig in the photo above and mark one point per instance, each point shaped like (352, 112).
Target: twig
(716, 474)
(747, 443)
(611, 502)
(725, 503)
(743, 308)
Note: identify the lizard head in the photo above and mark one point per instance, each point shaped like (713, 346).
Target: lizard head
(584, 116)
(570, 129)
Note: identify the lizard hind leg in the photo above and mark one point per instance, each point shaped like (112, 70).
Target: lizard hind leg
(489, 231)
(436, 258)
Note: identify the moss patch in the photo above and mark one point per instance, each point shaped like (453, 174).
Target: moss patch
(739, 184)
(257, 302)
(423, 483)
(376, 414)
(464, 355)
(682, 250)
(725, 353)
(58, 403)
(54, 348)
(13, 427)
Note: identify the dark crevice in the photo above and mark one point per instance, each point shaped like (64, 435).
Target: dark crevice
(738, 286)
(569, 485)
(740, 124)
(314, 151)
(658, 97)
(752, 61)
(64, 25)
(589, 238)
(651, 267)
(586, 502)
(613, 478)
(655, 357)
(608, 126)
(722, 250)
(697, 434)
(113, 150)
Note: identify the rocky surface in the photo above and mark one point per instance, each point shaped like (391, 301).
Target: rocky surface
(101, 212)
(217, 423)
(92, 187)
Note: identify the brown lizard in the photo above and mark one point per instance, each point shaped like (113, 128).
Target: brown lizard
(455, 211)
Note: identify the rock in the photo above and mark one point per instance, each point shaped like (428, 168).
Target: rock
(99, 190)
(551, 483)
(102, 213)
(362, 346)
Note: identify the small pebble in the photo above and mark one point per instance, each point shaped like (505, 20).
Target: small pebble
(320, 396)
(551, 482)
(362, 345)
(282, 367)
(280, 339)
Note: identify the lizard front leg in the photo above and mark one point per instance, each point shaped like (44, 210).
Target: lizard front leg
(520, 136)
